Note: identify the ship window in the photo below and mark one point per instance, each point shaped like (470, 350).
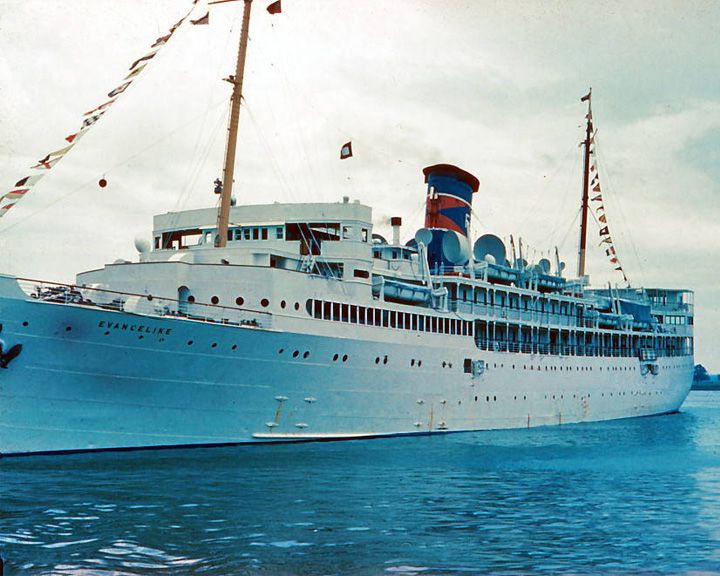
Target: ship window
(264, 234)
(264, 302)
(467, 365)
(353, 314)
(385, 318)
(246, 233)
(393, 319)
(336, 311)
(317, 309)
(283, 304)
(327, 312)
(255, 233)
(191, 299)
(157, 242)
(279, 233)
(414, 322)
(361, 314)
(214, 299)
(346, 232)
(364, 233)
(345, 313)
(361, 274)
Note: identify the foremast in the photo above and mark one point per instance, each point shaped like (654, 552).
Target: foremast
(230, 148)
(586, 186)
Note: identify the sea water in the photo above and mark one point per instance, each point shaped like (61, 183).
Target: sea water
(638, 496)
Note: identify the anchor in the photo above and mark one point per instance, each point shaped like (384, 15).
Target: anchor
(10, 355)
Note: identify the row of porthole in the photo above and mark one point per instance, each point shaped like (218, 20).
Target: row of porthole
(565, 368)
(446, 364)
(296, 353)
(240, 301)
(562, 396)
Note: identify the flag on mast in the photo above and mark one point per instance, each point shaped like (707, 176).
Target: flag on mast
(346, 151)
(200, 21)
(275, 7)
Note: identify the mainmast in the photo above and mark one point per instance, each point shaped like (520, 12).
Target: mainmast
(229, 169)
(586, 186)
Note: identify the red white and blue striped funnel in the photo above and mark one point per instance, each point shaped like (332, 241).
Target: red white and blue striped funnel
(449, 197)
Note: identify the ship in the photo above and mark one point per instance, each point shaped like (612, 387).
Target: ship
(295, 322)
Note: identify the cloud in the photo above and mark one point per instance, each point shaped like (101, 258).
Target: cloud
(491, 86)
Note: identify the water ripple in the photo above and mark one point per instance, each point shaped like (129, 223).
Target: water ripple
(638, 496)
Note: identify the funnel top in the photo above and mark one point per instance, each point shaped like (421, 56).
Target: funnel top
(453, 171)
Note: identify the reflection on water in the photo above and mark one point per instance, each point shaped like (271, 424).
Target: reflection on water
(640, 496)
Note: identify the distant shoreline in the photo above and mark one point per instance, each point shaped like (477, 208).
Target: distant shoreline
(706, 385)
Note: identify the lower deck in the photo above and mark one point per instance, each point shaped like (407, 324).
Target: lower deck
(89, 378)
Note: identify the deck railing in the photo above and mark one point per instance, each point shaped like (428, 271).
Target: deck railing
(141, 304)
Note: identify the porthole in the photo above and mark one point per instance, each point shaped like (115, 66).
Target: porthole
(191, 299)
(215, 300)
(189, 342)
(239, 300)
(385, 359)
(444, 364)
(335, 357)
(283, 304)
(234, 347)
(419, 363)
(306, 354)
(297, 305)
(68, 328)
(150, 297)
(412, 362)
(264, 302)
(281, 350)
(345, 357)
(141, 337)
(25, 323)
(214, 345)
(296, 353)
(377, 359)
(107, 333)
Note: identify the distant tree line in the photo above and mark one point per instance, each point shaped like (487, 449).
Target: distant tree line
(700, 374)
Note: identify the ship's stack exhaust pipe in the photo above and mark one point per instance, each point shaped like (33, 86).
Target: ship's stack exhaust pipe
(396, 222)
(447, 215)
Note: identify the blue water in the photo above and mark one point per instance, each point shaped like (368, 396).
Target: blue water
(638, 496)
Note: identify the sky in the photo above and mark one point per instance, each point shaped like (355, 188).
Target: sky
(491, 86)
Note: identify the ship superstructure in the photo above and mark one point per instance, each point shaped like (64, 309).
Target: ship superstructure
(295, 322)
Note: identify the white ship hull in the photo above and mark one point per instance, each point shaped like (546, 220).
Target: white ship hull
(90, 379)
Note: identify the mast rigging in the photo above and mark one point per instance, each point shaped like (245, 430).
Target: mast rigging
(585, 187)
(229, 168)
